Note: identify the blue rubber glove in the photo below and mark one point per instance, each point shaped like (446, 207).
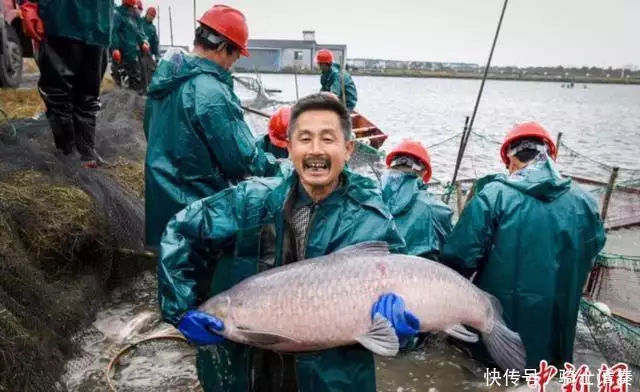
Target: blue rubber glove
(199, 327)
(392, 307)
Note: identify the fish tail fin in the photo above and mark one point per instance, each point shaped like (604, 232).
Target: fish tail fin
(504, 345)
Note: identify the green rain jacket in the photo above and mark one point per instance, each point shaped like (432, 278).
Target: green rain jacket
(198, 142)
(85, 20)
(231, 222)
(264, 143)
(532, 237)
(127, 34)
(152, 36)
(331, 82)
(423, 221)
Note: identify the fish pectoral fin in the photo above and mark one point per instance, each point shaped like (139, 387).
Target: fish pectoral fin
(381, 338)
(459, 332)
(265, 338)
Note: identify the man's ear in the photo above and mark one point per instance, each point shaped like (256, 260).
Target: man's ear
(349, 147)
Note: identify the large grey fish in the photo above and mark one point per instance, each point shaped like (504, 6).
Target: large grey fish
(326, 302)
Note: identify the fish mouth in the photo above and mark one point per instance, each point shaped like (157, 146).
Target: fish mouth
(316, 164)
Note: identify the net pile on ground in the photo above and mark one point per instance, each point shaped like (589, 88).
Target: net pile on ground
(67, 235)
(605, 339)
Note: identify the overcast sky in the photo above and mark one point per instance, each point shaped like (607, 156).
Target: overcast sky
(534, 32)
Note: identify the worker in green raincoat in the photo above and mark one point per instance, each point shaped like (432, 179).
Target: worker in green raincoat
(150, 59)
(315, 209)
(198, 141)
(336, 81)
(128, 44)
(422, 219)
(150, 32)
(275, 141)
(70, 58)
(532, 237)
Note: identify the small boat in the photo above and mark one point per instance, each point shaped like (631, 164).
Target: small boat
(366, 131)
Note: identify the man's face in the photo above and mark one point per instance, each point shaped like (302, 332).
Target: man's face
(404, 169)
(150, 18)
(318, 149)
(227, 60)
(324, 67)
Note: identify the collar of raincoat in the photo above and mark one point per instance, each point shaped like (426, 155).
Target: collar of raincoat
(362, 190)
(303, 198)
(539, 179)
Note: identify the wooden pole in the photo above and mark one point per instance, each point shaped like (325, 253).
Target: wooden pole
(194, 15)
(295, 76)
(607, 196)
(344, 93)
(255, 111)
(459, 200)
(171, 25)
(159, 39)
(484, 79)
(558, 140)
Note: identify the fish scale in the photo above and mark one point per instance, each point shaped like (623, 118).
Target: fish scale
(326, 302)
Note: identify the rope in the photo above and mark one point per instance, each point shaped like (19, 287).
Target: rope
(602, 164)
(444, 141)
(128, 348)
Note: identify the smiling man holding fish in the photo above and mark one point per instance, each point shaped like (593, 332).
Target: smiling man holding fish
(318, 208)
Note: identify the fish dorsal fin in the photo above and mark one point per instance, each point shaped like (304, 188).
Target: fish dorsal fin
(381, 338)
(379, 248)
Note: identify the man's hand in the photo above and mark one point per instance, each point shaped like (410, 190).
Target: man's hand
(145, 47)
(392, 307)
(116, 56)
(201, 328)
(32, 25)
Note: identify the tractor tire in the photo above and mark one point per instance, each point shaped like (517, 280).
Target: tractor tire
(10, 77)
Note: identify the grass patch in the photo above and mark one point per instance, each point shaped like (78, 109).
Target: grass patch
(129, 174)
(21, 103)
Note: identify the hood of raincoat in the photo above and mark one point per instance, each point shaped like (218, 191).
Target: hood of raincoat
(400, 190)
(539, 179)
(177, 67)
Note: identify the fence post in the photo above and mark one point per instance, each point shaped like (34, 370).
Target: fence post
(607, 195)
(558, 139)
(459, 200)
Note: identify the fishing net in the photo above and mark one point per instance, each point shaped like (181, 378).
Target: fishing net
(67, 236)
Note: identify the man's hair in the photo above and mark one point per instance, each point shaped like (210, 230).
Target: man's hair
(319, 101)
(204, 37)
(526, 154)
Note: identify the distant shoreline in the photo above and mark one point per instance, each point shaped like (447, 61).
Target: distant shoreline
(577, 80)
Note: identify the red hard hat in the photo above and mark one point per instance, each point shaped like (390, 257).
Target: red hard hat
(415, 150)
(132, 3)
(230, 23)
(524, 130)
(324, 56)
(152, 11)
(278, 125)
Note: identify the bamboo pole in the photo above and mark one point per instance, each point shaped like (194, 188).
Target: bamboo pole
(558, 140)
(607, 196)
